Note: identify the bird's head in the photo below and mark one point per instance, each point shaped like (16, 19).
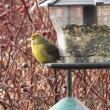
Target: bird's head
(36, 39)
(35, 36)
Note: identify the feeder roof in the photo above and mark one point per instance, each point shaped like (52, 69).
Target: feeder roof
(106, 1)
(66, 2)
(71, 2)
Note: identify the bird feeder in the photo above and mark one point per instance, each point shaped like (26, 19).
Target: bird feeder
(73, 20)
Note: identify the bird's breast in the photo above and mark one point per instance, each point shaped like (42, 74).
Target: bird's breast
(34, 42)
(37, 51)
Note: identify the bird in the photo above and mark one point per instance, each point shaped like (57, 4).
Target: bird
(43, 50)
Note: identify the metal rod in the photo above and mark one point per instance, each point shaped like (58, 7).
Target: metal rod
(56, 85)
(69, 83)
(79, 66)
(76, 66)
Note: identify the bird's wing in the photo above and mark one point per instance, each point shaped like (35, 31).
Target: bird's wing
(43, 40)
(53, 51)
(49, 49)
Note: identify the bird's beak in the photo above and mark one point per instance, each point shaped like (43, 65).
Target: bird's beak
(29, 39)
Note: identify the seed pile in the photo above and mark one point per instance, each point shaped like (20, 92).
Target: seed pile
(88, 43)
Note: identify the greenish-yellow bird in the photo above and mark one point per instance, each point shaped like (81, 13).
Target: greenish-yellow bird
(43, 50)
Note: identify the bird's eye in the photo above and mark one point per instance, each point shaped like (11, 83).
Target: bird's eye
(33, 37)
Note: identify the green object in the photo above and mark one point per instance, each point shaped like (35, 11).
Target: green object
(69, 103)
(43, 50)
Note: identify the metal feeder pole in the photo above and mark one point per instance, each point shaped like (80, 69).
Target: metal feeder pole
(76, 66)
(69, 102)
(69, 83)
(69, 76)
